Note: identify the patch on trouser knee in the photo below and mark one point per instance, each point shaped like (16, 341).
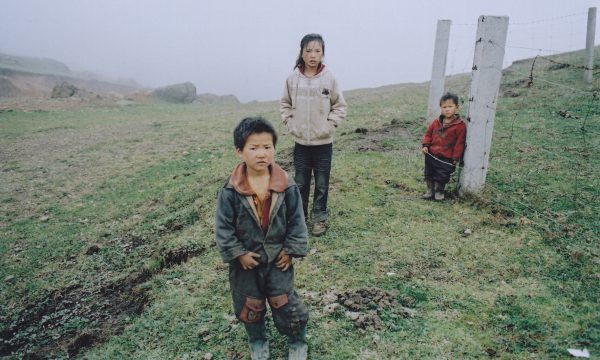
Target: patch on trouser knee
(253, 310)
(278, 301)
(292, 317)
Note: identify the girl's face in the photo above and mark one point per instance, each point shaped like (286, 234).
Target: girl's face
(312, 54)
(449, 108)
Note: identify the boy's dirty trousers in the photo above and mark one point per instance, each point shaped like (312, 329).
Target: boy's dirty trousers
(251, 289)
(438, 170)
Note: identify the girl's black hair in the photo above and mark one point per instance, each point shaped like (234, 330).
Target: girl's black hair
(249, 126)
(449, 96)
(305, 40)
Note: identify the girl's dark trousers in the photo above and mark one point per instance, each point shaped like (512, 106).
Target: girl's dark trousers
(308, 161)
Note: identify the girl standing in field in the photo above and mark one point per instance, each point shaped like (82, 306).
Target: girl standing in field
(312, 107)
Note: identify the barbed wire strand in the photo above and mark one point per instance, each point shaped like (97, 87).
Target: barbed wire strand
(548, 19)
(583, 129)
(554, 83)
(535, 49)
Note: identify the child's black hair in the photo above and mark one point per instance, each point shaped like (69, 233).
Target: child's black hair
(305, 40)
(449, 96)
(249, 126)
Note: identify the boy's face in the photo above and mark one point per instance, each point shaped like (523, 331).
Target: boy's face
(312, 54)
(449, 108)
(258, 152)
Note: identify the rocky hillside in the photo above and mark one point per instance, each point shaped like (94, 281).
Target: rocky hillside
(34, 77)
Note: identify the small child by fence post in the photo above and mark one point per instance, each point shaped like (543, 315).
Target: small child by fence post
(443, 146)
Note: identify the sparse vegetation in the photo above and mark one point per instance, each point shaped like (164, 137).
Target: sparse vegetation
(107, 228)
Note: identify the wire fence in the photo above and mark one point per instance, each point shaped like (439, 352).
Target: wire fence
(544, 164)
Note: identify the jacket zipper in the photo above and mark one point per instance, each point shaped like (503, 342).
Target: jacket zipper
(308, 127)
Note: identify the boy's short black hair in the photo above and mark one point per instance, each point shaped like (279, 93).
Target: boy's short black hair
(249, 126)
(449, 96)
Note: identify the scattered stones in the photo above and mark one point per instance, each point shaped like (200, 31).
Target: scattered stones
(329, 298)
(352, 315)
(9, 279)
(467, 232)
(44, 218)
(331, 308)
(208, 356)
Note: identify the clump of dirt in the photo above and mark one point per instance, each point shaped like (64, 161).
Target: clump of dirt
(365, 306)
(367, 299)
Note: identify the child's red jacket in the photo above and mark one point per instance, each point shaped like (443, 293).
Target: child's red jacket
(446, 140)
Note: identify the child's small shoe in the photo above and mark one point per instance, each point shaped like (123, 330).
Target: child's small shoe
(439, 196)
(439, 191)
(259, 350)
(430, 191)
(428, 194)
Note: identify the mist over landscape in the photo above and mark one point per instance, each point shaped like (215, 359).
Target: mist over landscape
(247, 48)
(116, 124)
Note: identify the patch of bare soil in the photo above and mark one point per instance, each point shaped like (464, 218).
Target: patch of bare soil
(372, 140)
(42, 330)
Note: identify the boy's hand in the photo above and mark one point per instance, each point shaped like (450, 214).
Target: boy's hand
(283, 261)
(425, 150)
(247, 260)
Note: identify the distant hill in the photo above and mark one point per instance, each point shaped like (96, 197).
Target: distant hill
(36, 77)
(25, 77)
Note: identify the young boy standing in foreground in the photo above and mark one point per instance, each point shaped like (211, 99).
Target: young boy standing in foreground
(259, 229)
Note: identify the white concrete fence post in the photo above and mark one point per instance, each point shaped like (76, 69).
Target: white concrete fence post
(589, 45)
(438, 71)
(485, 83)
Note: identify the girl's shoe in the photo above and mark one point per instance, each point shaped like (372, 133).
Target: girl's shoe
(319, 228)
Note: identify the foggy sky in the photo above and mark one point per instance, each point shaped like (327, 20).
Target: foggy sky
(247, 48)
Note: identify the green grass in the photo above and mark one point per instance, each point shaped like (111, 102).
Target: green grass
(140, 184)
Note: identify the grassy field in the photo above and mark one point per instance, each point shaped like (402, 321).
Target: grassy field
(107, 231)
